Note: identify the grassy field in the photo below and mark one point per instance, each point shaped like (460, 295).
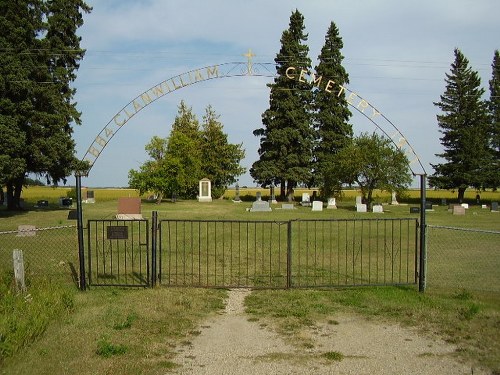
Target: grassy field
(131, 331)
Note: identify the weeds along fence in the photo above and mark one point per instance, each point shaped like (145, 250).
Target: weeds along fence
(460, 258)
(47, 252)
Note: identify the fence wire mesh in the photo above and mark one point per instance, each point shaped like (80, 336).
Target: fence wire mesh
(460, 258)
(47, 252)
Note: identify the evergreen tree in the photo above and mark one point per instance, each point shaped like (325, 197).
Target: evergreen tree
(494, 106)
(39, 57)
(465, 128)
(286, 144)
(221, 159)
(331, 113)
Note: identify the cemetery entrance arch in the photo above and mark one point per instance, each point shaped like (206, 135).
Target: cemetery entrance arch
(250, 69)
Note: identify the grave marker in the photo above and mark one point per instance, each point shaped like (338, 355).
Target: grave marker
(458, 210)
(205, 190)
(129, 208)
(332, 204)
(378, 209)
(494, 206)
(26, 231)
(317, 206)
(306, 200)
(361, 207)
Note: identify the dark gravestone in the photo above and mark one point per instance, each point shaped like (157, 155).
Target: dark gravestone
(494, 206)
(66, 202)
(414, 210)
(42, 203)
(428, 206)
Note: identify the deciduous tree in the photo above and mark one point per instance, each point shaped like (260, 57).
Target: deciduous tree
(373, 162)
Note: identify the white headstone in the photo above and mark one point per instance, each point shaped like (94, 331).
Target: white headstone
(287, 206)
(332, 204)
(306, 199)
(465, 205)
(394, 201)
(260, 206)
(205, 190)
(317, 206)
(359, 200)
(361, 207)
(458, 210)
(378, 209)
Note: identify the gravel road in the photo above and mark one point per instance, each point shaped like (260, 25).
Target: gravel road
(231, 344)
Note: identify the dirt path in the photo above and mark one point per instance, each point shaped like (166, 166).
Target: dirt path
(230, 344)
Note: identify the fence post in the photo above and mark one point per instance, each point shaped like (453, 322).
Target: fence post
(17, 257)
(422, 279)
(79, 218)
(154, 238)
(289, 256)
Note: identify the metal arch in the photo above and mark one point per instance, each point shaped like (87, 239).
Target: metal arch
(226, 70)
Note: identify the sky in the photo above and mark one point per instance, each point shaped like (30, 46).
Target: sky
(396, 53)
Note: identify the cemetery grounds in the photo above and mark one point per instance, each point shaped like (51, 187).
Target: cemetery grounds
(56, 329)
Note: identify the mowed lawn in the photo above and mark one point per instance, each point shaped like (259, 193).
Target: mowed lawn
(116, 331)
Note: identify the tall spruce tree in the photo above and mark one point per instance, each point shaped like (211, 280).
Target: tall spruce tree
(39, 56)
(286, 144)
(331, 114)
(494, 106)
(465, 128)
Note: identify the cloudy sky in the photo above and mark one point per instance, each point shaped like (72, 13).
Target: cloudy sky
(396, 53)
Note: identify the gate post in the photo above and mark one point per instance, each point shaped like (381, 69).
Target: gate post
(422, 277)
(79, 218)
(154, 241)
(289, 256)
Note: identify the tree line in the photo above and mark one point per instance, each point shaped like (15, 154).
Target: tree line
(306, 137)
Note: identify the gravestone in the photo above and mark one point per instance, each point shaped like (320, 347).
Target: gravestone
(129, 208)
(443, 202)
(26, 231)
(306, 200)
(394, 201)
(258, 196)
(494, 206)
(359, 200)
(361, 207)
(260, 206)
(90, 197)
(332, 204)
(237, 198)
(272, 195)
(317, 206)
(287, 206)
(205, 190)
(414, 210)
(42, 204)
(378, 209)
(458, 210)
(65, 202)
(428, 206)
(465, 205)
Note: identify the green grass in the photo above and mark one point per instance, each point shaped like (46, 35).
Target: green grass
(470, 321)
(56, 326)
(115, 331)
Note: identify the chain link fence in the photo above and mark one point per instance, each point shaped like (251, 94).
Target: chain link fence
(47, 252)
(461, 258)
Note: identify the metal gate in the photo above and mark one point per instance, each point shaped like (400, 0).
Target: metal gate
(289, 254)
(253, 254)
(118, 253)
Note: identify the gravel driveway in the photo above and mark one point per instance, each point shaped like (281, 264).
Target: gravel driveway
(230, 344)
